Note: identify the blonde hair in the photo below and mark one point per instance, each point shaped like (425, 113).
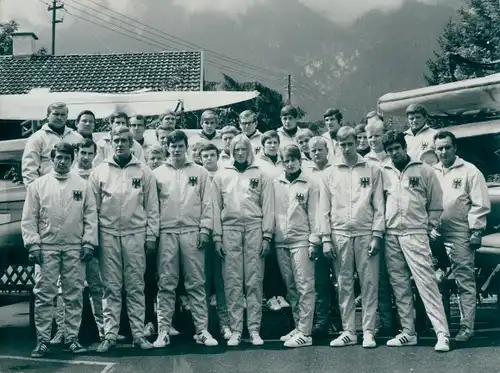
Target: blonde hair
(248, 114)
(56, 105)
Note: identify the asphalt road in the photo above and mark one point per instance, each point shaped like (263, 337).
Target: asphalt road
(184, 356)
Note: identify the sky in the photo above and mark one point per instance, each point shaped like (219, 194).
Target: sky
(33, 14)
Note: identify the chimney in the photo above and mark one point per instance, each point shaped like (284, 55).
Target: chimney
(23, 44)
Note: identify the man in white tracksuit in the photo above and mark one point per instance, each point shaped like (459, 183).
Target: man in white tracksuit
(413, 207)
(85, 153)
(297, 241)
(420, 137)
(248, 124)
(185, 226)
(227, 134)
(288, 131)
(243, 229)
(351, 220)
(36, 160)
(466, 207)
(127, 200)
(105, 145)
(208, 135)
(333, 121)
(59, 228)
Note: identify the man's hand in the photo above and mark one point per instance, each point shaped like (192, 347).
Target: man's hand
(219, 249)
(35, 255)
(266, 248)
(150, 247)
(329, 250)
(434, 235)
(475, 240)
(312, 252)
(86, 253)
(375, 246)
(203, 241)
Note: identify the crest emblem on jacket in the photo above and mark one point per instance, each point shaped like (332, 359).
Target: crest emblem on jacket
(424, 145)
(77, 195)
(364, 182)
(300, 197)
(256, 149)
(254, 183)
(136, 182)
(457, 183)
(414, 181)
(193, 180)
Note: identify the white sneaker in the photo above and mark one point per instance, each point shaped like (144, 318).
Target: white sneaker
(255, 339)
(173, 332)
(273, 304)
(299, 340)
(369, 340)
(403, 339)
(289, 335)
(205, 338)
(149, 329)
(282, 302)
(443, 343)
(235, 340)
(213, 301)
(225, 332)
(163, 340)
(345, 339)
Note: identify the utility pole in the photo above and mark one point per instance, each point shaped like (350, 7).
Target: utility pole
(289, 90)
(55, 6)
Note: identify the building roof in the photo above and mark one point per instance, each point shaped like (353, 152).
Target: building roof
(104, 73)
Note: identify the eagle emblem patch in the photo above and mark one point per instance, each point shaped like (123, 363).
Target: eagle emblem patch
(254, 183)
(425, 145)
(193, 180)
(136, 183)
(77, 195)
(457, 183)
(364, 182)
(414, 181)
(300, 197)
(257, 149)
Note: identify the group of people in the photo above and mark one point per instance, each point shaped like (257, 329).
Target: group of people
(226, 213)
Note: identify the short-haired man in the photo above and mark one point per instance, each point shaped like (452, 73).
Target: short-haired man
(351, 220)
(155, 156)
(420, 137)
(105, 144)
(269, 159)
(248, 124)
(36, 159)
(59, 228)
(363, 145)
(227, 134)
(162, 132)
(288, 131)
(127, 201)
(413, 204)
(169, 120)
(138, 127)
(303, 136)
(208, 123)
(466, 206)
(85, 123)
(184, 187)
(333, 122)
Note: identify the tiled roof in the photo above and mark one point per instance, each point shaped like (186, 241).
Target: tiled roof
(105, 73)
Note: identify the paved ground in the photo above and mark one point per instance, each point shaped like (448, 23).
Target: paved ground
(184, 356)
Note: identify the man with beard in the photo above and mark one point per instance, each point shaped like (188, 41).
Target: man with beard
(420, 137)
(248, 125)
(333, 121)
(36, 159)
(413, 204)
(288, 131)
(243, 230)
(59, 228)
(127, 201)
(227, 134)
(466, 207)
(85, 123)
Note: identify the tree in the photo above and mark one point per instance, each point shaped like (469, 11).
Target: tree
(6, 31)
(476, 37)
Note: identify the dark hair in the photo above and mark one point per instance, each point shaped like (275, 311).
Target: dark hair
(416, 109)
(64, 148)
(207, 147)
(82, 113)
(289, 110)
(394, 137)
(118, 114)
(139, 117)
(86, 143)
(333, 113)
(445, 135)
(177, 135)
(292, 151)
(269, 135)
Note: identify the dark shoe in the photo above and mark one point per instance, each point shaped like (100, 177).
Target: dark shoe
(75, 347)
(464, 334)
(143, 344)
(40, 350)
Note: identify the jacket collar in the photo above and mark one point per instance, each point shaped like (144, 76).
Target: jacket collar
(457, 163)
(301, 179)
(133, 161)
(413, 162)
(409, 132)
(47, 128)
(339, 161)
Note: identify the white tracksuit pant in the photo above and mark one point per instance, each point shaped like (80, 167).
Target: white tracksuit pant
(352, 255)
(122, 262)
(64, 262)
(462, 260)
(298, 273)
(243, 270)
(180, 252)
(410, 255)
